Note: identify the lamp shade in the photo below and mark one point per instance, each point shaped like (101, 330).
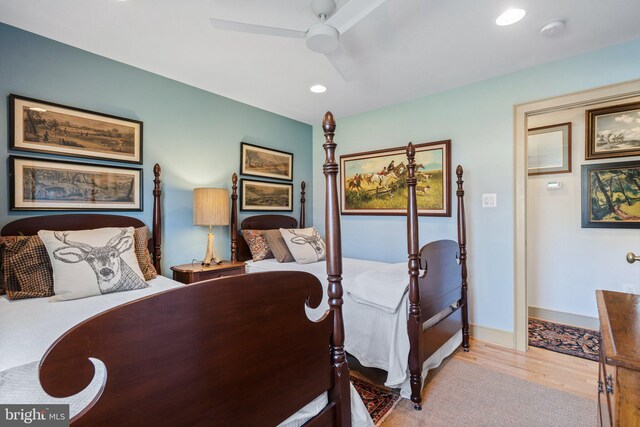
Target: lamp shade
(210, 206)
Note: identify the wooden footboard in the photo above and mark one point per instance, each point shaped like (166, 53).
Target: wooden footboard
(442, 286)
(231, 351)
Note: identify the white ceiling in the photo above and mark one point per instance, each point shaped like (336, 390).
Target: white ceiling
(403, 50)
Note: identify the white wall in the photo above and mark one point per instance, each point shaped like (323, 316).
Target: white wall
(567, 263)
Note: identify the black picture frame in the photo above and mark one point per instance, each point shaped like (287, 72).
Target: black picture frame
(16, 186)
(259, 207)
(67, 144)
(614, 132)
(248, 170)
(613, 193)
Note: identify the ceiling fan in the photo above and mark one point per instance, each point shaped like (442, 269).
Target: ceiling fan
(323, 37)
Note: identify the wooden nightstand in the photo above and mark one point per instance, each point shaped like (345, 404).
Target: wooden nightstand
(190, 273)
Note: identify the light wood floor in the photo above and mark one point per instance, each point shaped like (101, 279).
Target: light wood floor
(550, 369)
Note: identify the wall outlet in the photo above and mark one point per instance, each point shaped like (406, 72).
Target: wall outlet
(631, 289)
(489, 200)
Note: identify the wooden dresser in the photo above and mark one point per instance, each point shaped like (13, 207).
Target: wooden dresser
(619, 382)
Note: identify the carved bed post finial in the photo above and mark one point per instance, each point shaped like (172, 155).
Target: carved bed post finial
(234, 218)
(340, 391)
(157, 220)
(415, 315)
(462, 242)
(303, 185)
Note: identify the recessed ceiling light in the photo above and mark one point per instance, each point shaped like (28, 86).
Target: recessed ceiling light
(318, 89)
(510, 16)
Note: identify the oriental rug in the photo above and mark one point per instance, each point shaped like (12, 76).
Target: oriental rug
(379, 401)
(571, 340)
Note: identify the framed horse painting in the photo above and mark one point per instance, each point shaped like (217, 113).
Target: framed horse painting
(375, 182)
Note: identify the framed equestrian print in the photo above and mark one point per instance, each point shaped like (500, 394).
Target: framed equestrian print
(44, 127)
(375, 182)
(265, 196)
(53, 185)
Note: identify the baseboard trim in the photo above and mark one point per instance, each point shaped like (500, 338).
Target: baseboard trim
(493, 336)
(565, 318)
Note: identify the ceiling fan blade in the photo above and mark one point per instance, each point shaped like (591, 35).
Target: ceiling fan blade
(242, 27)
(352, 13)
(343, 65)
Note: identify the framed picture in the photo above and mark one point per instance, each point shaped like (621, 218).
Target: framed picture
(375, 182)
(37, 184)
(265, 162)
(611, 195)
(45, 127)
(549, 149)
(613, 132)
(265, 196)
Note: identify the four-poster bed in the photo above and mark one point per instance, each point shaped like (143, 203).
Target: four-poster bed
(194, 354)
(431, 318)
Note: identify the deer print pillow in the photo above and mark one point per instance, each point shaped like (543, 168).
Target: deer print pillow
(305, 244)
(92, 262)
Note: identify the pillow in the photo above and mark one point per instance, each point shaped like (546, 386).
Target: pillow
(27, 269)
(277, 245)
(257, 244)
(305, 244)
(92, 262)
(4, 240)
(141, 247)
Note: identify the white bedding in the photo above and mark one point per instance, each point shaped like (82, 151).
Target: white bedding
(375, 336)
(36, 323)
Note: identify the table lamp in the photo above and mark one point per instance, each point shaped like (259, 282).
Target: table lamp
(210, 207)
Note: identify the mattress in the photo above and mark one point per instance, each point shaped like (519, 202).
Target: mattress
(31, 326)
(375, 337)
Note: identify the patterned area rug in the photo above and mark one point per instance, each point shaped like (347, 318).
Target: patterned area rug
(379, 401)
(565, 339)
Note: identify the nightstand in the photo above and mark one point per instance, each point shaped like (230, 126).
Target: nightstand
(190, 273)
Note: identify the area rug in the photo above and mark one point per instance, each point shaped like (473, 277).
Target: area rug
(461, 393)
(379, 401)
(565, 339)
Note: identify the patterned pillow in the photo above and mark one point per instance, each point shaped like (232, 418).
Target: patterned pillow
(92, 262)
(257, 244)
(141, 237)
(277, 245)
(305, 244)
(4, 240)
(27, 269)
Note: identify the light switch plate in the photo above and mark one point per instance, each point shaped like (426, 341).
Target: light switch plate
(489, 200)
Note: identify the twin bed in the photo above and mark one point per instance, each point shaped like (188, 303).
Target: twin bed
(238, 350)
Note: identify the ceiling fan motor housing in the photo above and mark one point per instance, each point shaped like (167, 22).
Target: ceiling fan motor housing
(323, 38)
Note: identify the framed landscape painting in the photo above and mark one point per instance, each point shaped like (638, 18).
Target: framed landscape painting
(375, 182)
(37, 184)
(45, 127)
(265, 196)
(613, 132)
(265, 162)
(611, 195)
(549, 149)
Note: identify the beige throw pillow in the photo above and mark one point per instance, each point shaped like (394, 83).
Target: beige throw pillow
(305, 244)
(92, 262)
(278, 246)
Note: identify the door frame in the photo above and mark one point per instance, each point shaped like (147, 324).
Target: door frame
(615, 92)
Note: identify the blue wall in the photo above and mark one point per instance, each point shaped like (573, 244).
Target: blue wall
(479, 119)
(194, 135)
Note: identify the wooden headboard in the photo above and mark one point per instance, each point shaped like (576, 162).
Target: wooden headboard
(31, 225)
(239, 248)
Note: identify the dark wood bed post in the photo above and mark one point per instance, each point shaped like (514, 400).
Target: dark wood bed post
(302, 201)
(157, 220)
(234, 218)
(414, 326)
(340, 392)
(462, 242)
